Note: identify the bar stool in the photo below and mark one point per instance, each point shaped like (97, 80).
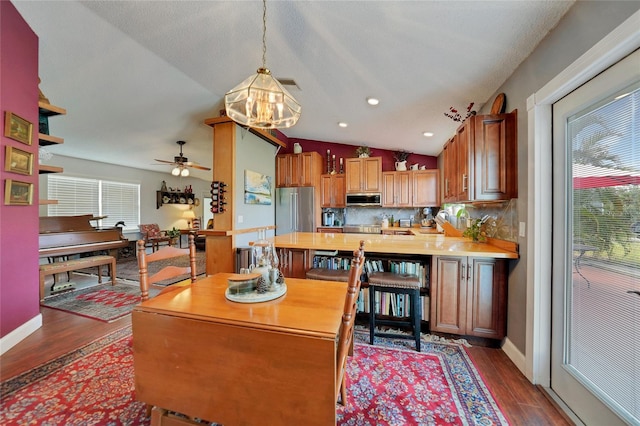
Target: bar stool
(325, 274)
(388, 282)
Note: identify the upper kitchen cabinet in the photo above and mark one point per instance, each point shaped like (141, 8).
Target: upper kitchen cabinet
(397, 189)
(298, 169)
(363, 174)
(480, 162)
(332, 190)
(426, 188)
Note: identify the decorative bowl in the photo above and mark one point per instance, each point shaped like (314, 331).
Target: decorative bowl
(243, 283)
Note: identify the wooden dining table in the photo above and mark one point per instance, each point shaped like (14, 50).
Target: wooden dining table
(201, 355)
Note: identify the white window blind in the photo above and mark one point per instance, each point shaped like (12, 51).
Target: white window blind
(75, 196)
(603, 346)
(118, 201)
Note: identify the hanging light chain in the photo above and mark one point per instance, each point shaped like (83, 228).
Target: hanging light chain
(264, 33)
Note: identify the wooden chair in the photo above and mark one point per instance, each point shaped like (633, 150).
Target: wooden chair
(170, 271)
(345, 338)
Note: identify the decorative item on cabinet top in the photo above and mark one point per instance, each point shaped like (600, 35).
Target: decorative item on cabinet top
(174, 197)
(363, 151)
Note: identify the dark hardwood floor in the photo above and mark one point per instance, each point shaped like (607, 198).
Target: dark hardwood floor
(522, 402)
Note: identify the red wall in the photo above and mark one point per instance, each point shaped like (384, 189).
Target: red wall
(19, 289)
(349, 151)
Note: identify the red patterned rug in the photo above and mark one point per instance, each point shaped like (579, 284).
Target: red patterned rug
(388, 384)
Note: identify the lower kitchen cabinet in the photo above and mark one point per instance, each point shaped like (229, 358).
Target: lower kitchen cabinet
(469, 296)
(294, 263)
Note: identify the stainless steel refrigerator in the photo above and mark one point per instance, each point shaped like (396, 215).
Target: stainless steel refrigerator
(295, 210)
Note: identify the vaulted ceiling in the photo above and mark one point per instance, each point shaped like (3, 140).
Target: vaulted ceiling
(136, 76)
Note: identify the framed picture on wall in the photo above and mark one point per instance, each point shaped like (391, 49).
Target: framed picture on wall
(17, 128)
(257, 188)
(18, 161)
(17, 193)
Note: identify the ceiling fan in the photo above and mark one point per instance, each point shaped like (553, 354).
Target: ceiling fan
(182, 163)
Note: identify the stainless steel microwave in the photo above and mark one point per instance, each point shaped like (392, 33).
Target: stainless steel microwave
(369, 199)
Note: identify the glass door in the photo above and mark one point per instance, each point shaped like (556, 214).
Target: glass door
(595, 350)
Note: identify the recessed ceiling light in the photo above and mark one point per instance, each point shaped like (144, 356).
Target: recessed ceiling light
(373, 101)
(428, 134)
(342, 124)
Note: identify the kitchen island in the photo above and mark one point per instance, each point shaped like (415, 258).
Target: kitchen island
(464, 283)
(421, 244)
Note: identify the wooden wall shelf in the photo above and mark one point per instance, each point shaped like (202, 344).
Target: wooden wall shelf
(45, 140)
(50, 169)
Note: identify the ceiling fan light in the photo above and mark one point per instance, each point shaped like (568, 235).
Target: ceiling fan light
(175, 171)
(184, 172)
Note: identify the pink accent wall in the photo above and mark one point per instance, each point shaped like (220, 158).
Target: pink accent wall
(19, 289)
(349, 151)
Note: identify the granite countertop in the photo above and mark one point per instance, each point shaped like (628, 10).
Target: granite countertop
(420, 244)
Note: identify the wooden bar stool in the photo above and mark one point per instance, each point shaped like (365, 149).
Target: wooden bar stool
(388, 282)
(341, 275)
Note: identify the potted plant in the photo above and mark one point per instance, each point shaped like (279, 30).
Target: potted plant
(476, 230)
(363, 151)
(173, 233)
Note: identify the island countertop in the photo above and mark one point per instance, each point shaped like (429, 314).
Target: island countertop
(424, 244)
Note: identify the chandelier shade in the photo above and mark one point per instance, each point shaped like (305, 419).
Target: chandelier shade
(261, 101)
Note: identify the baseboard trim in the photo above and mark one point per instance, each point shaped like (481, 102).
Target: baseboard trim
(20, 333)
(517, 357)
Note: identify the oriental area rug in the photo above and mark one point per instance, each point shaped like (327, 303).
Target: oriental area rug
(104, 302)
(127, 268)
(388, 384)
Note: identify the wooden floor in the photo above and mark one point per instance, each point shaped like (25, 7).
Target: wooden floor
(522, 402)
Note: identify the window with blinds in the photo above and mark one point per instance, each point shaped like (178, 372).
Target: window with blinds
(118, 201)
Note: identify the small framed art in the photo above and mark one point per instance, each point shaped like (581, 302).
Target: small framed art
(17, 128)
(17, 193)
(18, 161)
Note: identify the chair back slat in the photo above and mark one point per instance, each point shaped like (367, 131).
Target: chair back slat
(167, 272)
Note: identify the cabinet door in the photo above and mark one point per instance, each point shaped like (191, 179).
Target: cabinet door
(307, 169)
(463, 142)
(353, 173)
(388, 189)
(326, 191)
(496, 159)
(294, 263)
(404, 189)
(338, 192)
(332, 190)
(486, 298)
(372, 174)
(426, 185)
(283, 171)
(448, 294)
(449, 168)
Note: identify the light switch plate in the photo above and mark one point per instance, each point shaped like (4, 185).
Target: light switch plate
(240, 219)
(522, 231)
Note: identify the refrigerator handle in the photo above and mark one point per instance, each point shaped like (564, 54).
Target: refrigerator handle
(294, 203)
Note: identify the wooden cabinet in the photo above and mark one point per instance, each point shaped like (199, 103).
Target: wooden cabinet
(469, 296)
(294, 263)
(397, 189)
(298, 169)
(396, 232)
(363, 174)
(425, 188)
(480, 162)
(332, 190)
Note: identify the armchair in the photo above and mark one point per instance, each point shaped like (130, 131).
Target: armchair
(153, 236)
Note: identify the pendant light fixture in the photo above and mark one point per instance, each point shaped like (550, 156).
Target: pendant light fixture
(260, 100)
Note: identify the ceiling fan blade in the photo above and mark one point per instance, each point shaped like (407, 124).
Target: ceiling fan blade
(195, 166)
(165, 161)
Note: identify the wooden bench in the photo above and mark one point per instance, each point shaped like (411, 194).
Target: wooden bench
(74, 265)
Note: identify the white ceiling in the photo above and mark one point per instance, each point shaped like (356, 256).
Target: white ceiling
(136, 76)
